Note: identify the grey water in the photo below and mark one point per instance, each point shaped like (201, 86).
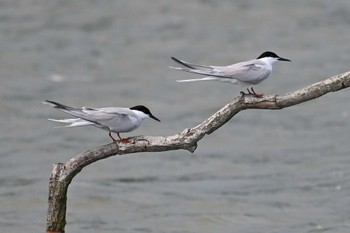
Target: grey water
(280, 171)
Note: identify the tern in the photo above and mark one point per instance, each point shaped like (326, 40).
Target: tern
(112, 119)
(246, 73)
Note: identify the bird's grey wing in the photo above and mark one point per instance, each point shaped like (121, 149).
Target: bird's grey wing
(115, 119)
(103, 114)
(249, 72)
(225, 72)
(77, 112)
(111, 110)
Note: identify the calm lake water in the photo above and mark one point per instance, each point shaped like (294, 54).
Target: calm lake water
(281, 171)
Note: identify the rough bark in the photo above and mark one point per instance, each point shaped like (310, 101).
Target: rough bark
(63, 173)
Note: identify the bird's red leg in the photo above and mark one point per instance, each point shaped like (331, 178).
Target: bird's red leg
(254, 93)
(249, 92)
(125, 140)
(110, 135)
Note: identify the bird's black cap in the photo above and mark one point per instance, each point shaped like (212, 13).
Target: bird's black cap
(272, 54)
(145, 110)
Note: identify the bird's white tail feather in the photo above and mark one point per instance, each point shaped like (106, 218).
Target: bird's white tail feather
(75, 122)
(199, 79)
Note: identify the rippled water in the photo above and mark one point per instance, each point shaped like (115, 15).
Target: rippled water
(264, 171)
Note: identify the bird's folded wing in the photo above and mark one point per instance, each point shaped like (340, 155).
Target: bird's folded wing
(247, 72)
(103, 114)
(115, 119)
(110, 110)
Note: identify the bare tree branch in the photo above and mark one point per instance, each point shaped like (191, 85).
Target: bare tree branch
(63, 173)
